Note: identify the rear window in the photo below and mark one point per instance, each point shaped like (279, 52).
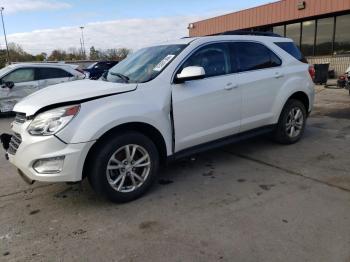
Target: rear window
(293, 50)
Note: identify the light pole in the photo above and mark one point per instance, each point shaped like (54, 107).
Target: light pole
(3, 27)
(83, 41)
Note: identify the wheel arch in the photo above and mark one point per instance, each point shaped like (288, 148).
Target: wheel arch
(146, 129)
(302, 97)
(298, 95)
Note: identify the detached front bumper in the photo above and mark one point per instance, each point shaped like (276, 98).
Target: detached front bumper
(35, 148)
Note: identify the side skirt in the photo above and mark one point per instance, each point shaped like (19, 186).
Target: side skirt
(221, 142)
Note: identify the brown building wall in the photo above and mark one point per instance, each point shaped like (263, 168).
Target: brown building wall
(269, 14)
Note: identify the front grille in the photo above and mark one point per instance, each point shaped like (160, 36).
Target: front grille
(20, 118)
(15, 142)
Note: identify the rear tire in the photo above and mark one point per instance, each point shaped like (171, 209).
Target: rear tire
(291, 124)
(124, 166)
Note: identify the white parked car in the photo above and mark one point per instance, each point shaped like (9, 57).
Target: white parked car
(19, 80)
(162, 103)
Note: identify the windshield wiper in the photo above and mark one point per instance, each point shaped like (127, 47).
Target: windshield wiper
(123, 77)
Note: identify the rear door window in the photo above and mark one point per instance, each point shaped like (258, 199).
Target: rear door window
(51, 73)
(292, 49)
(254, 56)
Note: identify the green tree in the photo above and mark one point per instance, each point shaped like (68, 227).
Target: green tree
(57, 55)
(41, 57)
(94, 54)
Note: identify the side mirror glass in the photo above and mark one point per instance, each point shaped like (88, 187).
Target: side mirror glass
(190, 73)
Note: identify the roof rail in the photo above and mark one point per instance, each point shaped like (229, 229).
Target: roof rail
(244, 32)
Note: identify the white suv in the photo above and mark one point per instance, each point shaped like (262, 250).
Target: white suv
(163, 102)
(19, 80)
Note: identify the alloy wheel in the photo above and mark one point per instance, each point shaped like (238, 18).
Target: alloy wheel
(128, 168)
(295, 122)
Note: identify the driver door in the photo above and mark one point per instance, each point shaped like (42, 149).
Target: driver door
(207, 109)
(24, 84)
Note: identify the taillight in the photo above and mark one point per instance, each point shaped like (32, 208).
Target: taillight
(312, 72)
(341, 77)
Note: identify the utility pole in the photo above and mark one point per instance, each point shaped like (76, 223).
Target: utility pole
(3, 27)
(83, 41)
(81, 48)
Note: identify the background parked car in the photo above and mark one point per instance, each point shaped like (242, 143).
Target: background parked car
(19, 80)
(96, 70)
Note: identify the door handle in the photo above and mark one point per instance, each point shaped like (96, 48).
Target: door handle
(278, 75)
(230, 86)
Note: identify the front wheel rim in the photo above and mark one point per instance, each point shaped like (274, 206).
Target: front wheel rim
(295, 122)
(128, 168)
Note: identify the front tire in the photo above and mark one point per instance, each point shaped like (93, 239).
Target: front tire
(124, 166)
(291, 125)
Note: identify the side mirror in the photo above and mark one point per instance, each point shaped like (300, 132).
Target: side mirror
(8, 84)
(190, 73)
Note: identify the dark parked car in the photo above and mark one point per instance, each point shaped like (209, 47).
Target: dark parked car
(96, 70)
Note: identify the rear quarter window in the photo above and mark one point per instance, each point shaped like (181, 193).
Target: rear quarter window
(293, 50)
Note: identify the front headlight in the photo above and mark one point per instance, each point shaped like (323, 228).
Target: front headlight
(52, 121)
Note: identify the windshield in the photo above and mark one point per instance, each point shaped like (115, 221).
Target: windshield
(144, 65)
(5, 70)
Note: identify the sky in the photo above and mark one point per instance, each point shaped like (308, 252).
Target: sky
(43, 25)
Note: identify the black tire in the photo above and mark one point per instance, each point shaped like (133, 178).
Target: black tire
(97, 173)
(281, 134)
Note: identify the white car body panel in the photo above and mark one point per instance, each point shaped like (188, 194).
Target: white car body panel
(67, 92)
(23, 89)
(34, 147)
(198, 118)
(139, 106)
(186, 115)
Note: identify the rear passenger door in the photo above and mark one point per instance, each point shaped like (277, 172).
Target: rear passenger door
(50, 76)
(260, 79)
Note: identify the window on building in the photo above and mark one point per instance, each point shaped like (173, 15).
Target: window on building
(254, 56)
(324, 37)
(308, 38)
(279, 30)
(342, 35)
(293, 31)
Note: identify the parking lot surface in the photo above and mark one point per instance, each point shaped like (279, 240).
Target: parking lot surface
(251, 201)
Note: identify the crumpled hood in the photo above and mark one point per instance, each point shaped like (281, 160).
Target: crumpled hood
(75, 91)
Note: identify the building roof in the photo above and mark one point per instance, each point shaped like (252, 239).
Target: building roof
(269, 14)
